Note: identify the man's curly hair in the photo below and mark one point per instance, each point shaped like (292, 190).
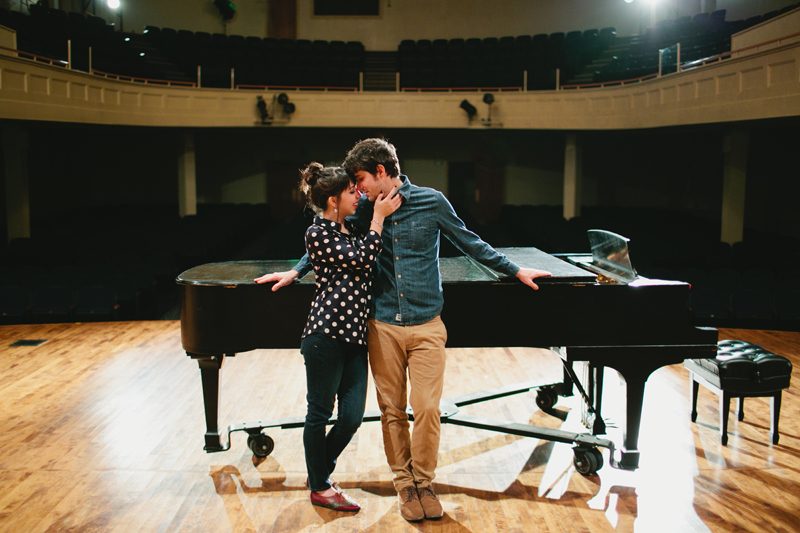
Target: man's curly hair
(366, 155)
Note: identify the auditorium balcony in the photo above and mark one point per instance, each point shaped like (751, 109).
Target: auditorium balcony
(524, 62)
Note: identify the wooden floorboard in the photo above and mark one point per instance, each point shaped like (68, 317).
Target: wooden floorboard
(102, 428)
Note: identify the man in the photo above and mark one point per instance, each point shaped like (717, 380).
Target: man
(406, 337)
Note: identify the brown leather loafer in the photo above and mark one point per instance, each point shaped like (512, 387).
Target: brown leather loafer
(338, 502)
(430, 503)
(408, 502)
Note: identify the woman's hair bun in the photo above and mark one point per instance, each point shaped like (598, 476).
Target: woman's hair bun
(311, 173)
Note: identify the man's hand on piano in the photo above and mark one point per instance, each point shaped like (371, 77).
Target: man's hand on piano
(527, 275)
(282, 278)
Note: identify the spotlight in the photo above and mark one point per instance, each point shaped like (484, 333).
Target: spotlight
(469, 108)
(488, 99)
(288, 107)
(114, 5)
(276, 113)
(226, 9)
(262, 109)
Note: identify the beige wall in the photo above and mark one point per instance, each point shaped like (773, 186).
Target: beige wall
(419, 19)
(446, 19)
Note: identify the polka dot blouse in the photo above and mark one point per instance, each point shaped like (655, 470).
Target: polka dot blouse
(343, 266)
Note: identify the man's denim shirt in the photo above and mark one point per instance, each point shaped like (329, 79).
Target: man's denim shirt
(408, 287)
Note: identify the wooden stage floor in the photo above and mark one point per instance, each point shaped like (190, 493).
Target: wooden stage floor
(102, 428)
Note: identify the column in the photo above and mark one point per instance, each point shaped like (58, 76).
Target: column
(572, 176)
(187, 179)
(734, 148)
(15, 157)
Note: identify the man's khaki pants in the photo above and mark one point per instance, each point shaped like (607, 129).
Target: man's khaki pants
(415, 355)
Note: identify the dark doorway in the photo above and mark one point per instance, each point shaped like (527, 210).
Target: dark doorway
(461, 186)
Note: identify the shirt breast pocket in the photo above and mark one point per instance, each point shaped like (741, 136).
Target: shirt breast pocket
(422, 234)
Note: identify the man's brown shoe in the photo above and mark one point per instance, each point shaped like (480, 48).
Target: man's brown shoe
(430, 503)
(408, 502)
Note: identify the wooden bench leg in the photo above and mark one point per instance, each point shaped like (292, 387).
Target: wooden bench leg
(724, 410)
(695, 388)
(775, 411)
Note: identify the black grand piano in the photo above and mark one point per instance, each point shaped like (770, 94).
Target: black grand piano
(593, 309)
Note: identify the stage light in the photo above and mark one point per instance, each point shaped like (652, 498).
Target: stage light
(288, 107)
(114, 5)
(278, 112)
(469, 108)
(488, 99)
(226, 8)
(262, 109)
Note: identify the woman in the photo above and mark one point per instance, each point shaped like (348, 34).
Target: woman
(334, 343)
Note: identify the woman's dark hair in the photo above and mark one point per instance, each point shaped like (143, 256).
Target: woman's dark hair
(319, 183)
(369, 153)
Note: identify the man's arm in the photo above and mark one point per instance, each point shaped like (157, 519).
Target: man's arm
(472, 245)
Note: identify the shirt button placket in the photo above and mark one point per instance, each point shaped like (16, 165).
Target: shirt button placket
(398, 271)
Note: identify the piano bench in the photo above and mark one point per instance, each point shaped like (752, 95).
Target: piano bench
(741, 370)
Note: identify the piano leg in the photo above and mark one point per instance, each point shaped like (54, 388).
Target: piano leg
(593, 417)
(635, 380)
(209, 373)
(634, 364)
(629, 457)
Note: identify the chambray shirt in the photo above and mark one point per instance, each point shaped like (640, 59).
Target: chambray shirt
(407, 289)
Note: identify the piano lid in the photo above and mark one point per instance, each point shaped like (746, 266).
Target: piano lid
(465, 269)
(232, 273)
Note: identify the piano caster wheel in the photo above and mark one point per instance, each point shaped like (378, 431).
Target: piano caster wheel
(587, 461)
(546, 399)
(260, 445)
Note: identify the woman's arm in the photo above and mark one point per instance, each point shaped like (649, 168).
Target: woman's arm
(326, 248)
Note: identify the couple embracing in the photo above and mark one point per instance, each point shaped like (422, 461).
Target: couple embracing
(377, 303)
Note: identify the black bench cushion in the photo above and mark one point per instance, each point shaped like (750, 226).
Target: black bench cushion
(741, 367)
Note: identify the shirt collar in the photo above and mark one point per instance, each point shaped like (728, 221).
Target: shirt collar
(327, 224)
(405, 187)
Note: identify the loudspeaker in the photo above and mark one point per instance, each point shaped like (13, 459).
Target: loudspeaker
(226, 8)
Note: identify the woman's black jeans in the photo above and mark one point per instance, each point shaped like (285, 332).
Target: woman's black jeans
(334, 369)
